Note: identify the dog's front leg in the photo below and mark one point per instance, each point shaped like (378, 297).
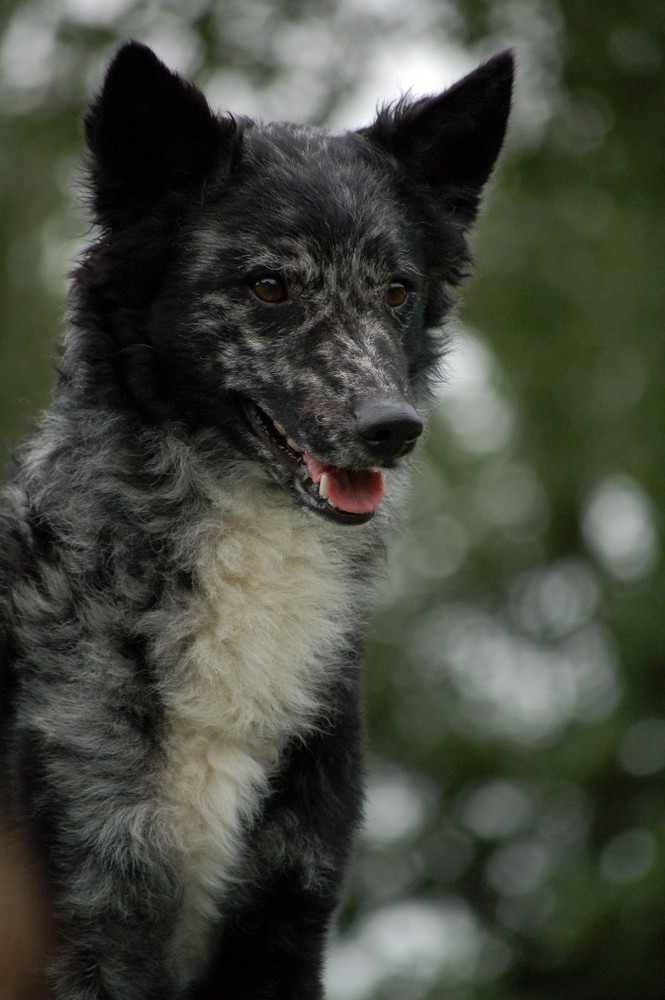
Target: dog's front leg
(272, 943)
(111, 877)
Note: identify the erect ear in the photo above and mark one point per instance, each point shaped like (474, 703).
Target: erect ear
(150, 133)
(450, 142)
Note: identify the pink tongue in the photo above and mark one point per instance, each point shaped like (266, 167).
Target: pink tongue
(355, 491)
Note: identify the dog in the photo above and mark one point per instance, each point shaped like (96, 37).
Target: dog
(188, 544)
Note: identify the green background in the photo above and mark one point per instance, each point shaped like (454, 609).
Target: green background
(515, 837)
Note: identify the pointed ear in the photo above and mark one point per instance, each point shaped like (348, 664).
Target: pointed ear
(149, 133)
(450, 142)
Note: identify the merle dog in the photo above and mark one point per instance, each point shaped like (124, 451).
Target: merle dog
(187, 546)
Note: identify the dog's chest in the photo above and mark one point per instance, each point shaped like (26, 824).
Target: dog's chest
(259, 636)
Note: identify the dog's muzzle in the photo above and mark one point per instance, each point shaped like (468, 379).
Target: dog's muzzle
(386, 430)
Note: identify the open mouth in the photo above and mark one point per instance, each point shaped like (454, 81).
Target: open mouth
(346, 496)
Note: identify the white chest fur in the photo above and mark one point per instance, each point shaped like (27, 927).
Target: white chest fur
(258, 637)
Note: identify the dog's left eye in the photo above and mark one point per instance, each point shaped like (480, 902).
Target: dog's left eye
(396, 295)
(270, 290)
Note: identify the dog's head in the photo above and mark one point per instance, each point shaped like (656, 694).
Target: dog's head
(281, 284)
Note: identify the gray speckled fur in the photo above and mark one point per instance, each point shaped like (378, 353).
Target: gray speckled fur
(180, 633)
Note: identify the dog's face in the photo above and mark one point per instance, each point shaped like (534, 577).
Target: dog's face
(290, 278)
(305, 287)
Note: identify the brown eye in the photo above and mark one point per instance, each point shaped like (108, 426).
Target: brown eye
(396, 294)
(270, 290)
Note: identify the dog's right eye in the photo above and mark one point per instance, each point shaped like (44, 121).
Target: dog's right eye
(396, 295)
(270, 289)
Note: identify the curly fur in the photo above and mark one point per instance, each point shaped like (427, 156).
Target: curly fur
(181, 619)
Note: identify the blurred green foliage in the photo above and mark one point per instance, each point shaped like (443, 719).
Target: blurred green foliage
(515, 840)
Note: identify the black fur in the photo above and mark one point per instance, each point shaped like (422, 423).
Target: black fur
(181, 605)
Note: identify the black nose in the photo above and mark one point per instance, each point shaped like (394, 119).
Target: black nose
(389, 428)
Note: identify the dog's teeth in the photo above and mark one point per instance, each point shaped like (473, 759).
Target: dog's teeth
(279, 428)
(323, 486)
(293, 446)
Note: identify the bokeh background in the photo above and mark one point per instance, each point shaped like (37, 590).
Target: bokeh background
(515, 839)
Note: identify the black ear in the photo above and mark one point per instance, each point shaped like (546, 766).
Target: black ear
(450, 142)
(150, 133)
